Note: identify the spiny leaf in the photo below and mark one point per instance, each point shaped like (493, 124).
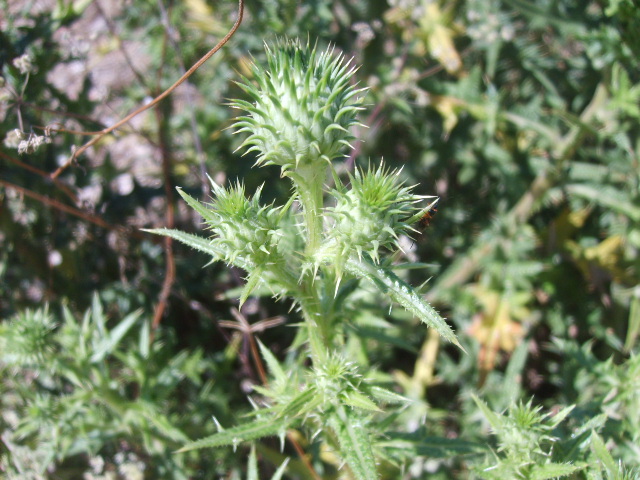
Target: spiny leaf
(206, 213)
(401, 292)
(272, 364)
(602, 454)
(358, 400)
(355, 444)
(553, 470)
(301, 403)
(201, 244)
(494, 419)
(387, 396)
(252, 282)
(560, 416)
(233, 436)
(194, 241)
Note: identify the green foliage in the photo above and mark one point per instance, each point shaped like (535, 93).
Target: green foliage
(78, 387)
(522, 117)
(532, 445)
(526, 445)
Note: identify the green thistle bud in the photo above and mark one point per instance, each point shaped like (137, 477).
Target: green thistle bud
(26, 339)
(335, 376)
(303, 106)
(244, 228)
(373, 212)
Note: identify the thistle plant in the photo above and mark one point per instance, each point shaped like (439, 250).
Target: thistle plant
(299, 118)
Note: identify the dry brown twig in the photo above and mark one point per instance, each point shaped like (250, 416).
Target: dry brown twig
(63, 207)
(170, 270)
(100, 134)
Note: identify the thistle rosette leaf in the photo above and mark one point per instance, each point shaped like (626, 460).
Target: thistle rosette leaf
(371, 214)
(303, 106)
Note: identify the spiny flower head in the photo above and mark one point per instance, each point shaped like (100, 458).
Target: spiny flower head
(243, 227)
(373, 212)
(26, 339)
(303, 106)
(336, 375)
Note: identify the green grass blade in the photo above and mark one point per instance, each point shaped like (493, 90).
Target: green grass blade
(110, 341)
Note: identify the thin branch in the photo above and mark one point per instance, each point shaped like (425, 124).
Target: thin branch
(193, 123)
(155, 101)
(170, 267)
(242, 325)
(64, 188)
(72, 210)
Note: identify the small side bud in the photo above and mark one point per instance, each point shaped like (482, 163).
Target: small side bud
(371, 214)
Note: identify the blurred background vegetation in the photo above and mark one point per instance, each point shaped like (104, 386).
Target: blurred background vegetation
(523, 117)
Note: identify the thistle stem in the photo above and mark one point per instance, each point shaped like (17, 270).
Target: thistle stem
(317, 316)
(309, 182)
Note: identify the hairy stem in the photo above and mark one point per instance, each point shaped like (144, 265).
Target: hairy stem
(316, 322)
(309, 182)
